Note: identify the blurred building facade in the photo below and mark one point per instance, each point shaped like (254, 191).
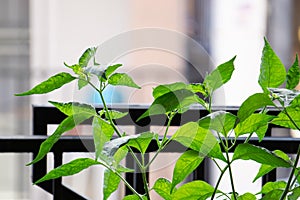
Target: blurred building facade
(36, 37)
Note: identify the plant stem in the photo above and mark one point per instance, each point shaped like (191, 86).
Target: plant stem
(295, 179)
(109, 117)
(225, 146)
(209, 103)
(230, 174)
(129, 149)
(145, 183)
(218, 182)
(168, 125)
(124, 180)
(129, 186)
(286, 190)
(165, 141)
(248, 138)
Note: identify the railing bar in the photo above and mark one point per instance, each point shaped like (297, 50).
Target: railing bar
(31, 144)
(57, 183)
(43, 116)
(271, 176)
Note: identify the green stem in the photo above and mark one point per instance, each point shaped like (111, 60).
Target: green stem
(124, 180)
(129, 186)
(145, 183)
(165, 141)
(167, 128)
(286, 190)
(109, 117)
(218, 182)
(135, 158)
(230, 174)
(225, 146)
(209, 103)
(216, 163)
(113, 124)
(295, 179)
(248, 138)
(119, 134)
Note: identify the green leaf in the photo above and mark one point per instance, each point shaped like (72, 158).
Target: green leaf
(297, 173)
(185, 165)
(198, 88)
(68, 169)
(86, 57)
(111, 69)
(247, 196)
(274, 195)
(102, 133)
(295, 194)
(293, 75)
(82, 82)
(293, 111)
(263, 170)
(272, 71)
(67, 124)
(53, 83)
(162, 187)
(195, 190)
(219, 76)
(111, 183)
(284, 121)
(164, 89)
(121, 79)
(120, 154)
(72, 108)
(191, 135)
(194, 88)
(202, 102)
(261, 155)
(261, 132)
(110, 147)
(142, 141)
(171, 101)
(76, 68)
(115, 114)
(270, 186)
(108, 71)
(253, 103)
(253, 124)
(282, 155)
(134, 197)
(220, 121)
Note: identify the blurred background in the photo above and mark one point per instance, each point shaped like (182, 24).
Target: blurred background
(37, 37)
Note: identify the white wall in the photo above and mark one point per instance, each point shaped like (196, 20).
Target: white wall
(238, 28)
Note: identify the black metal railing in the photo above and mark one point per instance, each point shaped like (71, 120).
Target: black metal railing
(44, 116)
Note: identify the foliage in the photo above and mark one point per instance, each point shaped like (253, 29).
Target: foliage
(211, 137)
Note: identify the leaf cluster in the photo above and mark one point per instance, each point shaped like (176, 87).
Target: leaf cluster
(211, 137)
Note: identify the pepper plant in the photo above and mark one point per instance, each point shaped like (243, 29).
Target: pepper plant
(212, 136)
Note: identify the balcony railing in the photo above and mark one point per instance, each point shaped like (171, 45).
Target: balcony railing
(44, 116)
